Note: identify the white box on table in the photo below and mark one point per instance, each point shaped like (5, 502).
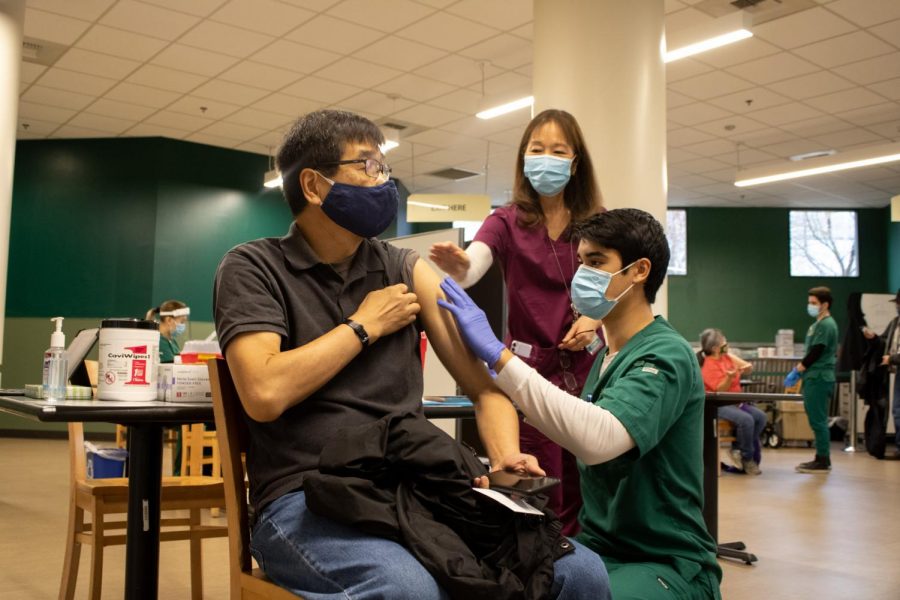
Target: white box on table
(183, 383)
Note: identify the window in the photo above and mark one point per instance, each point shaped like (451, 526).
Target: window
(823, 243)
(676, 231)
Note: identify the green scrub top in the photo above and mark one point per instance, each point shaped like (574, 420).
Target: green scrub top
(646, 505)
(823, 332)
(168, 349)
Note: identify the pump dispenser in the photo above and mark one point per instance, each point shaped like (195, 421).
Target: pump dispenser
(55, 367)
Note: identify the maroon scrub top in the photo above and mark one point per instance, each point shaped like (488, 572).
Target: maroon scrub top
(537, 287)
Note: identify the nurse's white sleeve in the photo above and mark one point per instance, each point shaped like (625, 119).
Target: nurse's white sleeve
(480, 260)
(591, 433)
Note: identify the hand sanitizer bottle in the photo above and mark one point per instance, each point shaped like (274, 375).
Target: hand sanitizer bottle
(55, 371)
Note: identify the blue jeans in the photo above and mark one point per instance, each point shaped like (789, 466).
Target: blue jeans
(896, 409)
(322, 559)
(748, 426)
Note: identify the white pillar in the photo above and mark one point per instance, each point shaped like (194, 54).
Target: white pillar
(602, 60)
(12, 19)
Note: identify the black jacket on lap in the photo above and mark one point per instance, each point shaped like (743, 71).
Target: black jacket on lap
(404, 479)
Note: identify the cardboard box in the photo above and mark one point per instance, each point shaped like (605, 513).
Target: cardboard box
(183, 383)
(794, 424)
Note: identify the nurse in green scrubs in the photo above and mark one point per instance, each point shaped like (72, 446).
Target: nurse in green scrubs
(172, 316)
(636, 431)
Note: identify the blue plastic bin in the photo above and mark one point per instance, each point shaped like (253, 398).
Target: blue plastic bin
(103, 463)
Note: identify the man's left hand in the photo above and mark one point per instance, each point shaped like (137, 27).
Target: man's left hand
(521, 464)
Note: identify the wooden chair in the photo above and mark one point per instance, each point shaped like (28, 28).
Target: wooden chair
(247, 583)
(195, 441)
(726, 434)
(104, 497)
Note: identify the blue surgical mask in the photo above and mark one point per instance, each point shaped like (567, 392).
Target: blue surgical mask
(812, 310)
(548, 174)
(179, 329)
(589, 291)
(363, 210)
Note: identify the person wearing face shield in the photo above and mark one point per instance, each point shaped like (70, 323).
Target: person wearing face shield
(636, 429)
(172, 316)
(531, 239)
(321, 331)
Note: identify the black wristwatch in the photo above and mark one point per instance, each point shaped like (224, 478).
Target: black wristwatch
(359, 330)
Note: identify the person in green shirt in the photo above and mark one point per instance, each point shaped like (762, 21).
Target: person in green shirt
(817, 371)
(172, 316)
(636, 431)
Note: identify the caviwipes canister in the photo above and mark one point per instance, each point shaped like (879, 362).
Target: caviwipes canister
(129, 359)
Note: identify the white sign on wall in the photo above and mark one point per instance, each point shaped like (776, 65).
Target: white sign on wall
(442, 208)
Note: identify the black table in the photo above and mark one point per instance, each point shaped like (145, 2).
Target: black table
(714, 400)
(145, 421)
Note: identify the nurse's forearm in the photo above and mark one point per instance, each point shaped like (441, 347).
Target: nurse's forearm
(591, 433)
(480, 260)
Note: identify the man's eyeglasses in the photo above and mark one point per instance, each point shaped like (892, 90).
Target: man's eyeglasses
(374, 168)
(569, 380)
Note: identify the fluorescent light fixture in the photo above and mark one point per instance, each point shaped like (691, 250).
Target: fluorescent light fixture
(895, 214)
(272, 179)
(715, 34)
(506, 108)
(428, 205)
(852, 159)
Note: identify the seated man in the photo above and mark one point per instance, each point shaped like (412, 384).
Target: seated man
(318, 329)
(637, 430)
(722, 372)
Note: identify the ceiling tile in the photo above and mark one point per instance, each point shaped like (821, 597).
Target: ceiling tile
(504, 50)
(429, 116)
(814, 84)
(888, 89)
(401, 54)
(233, 131)
(323, 90)
(101, 123)
(500, 14)
(840, 140)
(699, 112)
(201, 8)
(794, 147)
(193, 60)
(289, 106)
(53, 28)
(42, 112)
(674, 99)
(702, 165)
(87, 10)
(177, 120)
(872, 114)
(457, 70)
(256, 147)
(377, 103)
(447, 32)
(71, 81)
(35, 128)
(785, 113)
(844, 49)
(295, 57)
(673, 5)
(70, 132)
(684, 136)
(124, 44)
(334, 35)
(685, 68)
(141, 95)
(29, 72)
(816, 126)
(766, 137)
(465, 101)
(740, 52)
(94, 63)
(749, 99)
(165, 79)
(259, 75)
(389, 16)
(415, 88)
(732, 127)
(258, 118)
(873, 69)
(210, 140)
(525, 31)
(233, 93)
(153, 21)
(846, 100)
(504, 85)
(204, 107)
(149, 130)
(269, 141)
(801, 28)
(713, 148)
(351, 71)
(119, 110)
(746, 156)
(226, 39)
(889, 32)
(773, 68)
(868, 13)
(264, 16)
(685, 19)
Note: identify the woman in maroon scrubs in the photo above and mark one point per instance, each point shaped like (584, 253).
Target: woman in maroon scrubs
(530, 239)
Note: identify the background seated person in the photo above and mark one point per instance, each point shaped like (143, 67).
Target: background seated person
(319, 331)
(722, 372)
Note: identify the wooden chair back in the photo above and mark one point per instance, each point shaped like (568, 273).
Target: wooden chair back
(231, 429)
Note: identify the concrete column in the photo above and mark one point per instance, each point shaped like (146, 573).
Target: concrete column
(12, 19)
(602, 60)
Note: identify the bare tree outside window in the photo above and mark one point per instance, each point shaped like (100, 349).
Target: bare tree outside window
(824, 243)
(676, 231)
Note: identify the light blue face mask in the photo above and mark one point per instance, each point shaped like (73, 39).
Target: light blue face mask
(548, 174)
(589, 291)
(179, 329)
(812, 310)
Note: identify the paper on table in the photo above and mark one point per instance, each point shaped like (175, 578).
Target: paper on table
(514, 503)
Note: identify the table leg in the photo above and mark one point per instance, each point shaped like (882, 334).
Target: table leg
(144, 484)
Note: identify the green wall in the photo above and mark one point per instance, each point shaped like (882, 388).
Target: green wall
(893, 257)
(739, 274)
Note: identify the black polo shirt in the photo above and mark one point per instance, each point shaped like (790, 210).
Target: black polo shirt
(280, 285)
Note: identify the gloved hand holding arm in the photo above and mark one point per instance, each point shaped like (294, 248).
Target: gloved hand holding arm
(472, 322)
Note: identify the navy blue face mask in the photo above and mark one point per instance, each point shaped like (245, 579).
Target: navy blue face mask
(365, 211)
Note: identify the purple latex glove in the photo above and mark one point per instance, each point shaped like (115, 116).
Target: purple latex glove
(472, 322)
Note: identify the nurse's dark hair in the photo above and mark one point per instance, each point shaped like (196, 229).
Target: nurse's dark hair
(710, 339)
(581, 195)
(166, 306)
(315, 140)
(633, 234)
(823, 295)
